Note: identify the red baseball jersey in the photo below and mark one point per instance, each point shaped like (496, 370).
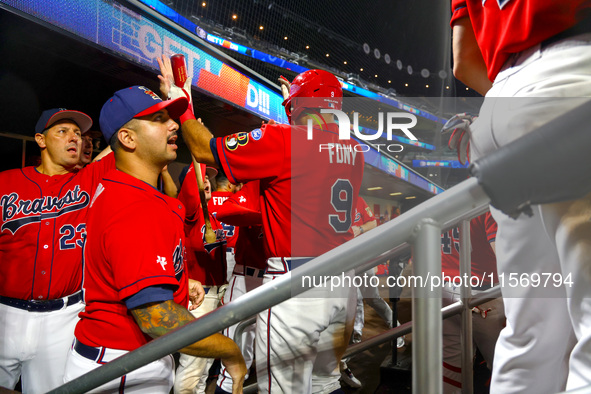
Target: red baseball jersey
(483, 231)
(43, 228)
(206, 262)
(231, 231)
(135, 240)
(308, 187)
(362, 213)
(243, 207)
(504, 27)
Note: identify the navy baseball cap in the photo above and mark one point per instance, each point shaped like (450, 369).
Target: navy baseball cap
(50, 116)
(134, 102)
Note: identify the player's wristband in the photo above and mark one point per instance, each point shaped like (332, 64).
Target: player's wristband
(361, 230)
(187, 115)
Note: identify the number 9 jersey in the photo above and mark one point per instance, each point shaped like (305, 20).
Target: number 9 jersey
(309, 187)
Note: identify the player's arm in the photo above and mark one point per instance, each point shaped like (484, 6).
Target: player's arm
(469, 66)
(195, 134)
(358, 230)
(158, 319)
(168, 184)
(103, 153)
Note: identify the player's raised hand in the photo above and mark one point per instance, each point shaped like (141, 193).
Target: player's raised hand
(166, 78)
(285, 86)
(196, 294)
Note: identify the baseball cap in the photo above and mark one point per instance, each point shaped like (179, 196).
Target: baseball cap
(50, 116)
(133, 102)
(211, 172)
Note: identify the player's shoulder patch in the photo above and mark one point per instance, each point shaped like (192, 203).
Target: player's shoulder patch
(256, 134)
(235, 140)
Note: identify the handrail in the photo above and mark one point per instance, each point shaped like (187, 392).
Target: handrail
(459, 202)
(403, 329)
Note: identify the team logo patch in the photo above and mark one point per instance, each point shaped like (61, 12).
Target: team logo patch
(256, 134)
(150, 93)
(235, 140)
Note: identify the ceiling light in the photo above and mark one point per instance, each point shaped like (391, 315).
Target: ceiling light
(307, 46)
(374, 188)
(396, 194)
(447, 87)
(203, 4)
(406, 84)
(426, 86)
(234, 16)
(327, 55)
(261, 27)
(410, 197)
(285, 38)
(360, 69)
(467, 89)
(389, 81)
(345, 62)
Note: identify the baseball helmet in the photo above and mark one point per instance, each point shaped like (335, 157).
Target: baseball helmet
(318, 84)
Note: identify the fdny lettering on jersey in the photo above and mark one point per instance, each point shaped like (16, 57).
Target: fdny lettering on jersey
(339, 153)
(33, 211)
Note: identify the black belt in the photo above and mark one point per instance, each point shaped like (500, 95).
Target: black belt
(580, 28)
(42, 306)
(89, 352)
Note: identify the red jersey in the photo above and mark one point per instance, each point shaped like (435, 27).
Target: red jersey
(231, 231)
(241, 209)
(362, 213)
(308, 187)
(206, 262)
(134, 242)
(483, 231)
(42, 230)
(505, 27)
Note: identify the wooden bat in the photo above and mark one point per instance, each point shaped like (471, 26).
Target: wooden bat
(179, 72)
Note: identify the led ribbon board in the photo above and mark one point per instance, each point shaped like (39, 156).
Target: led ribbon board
(139, 39)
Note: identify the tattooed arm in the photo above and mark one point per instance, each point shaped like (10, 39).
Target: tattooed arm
(157, 319)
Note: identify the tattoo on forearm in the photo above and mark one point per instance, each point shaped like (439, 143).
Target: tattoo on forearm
(161, 318)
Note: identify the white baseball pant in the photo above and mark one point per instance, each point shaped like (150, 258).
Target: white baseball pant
(155, 377)
(372, 297)
(299, 343)
(535, 352)
(34, 345)
(243, 280)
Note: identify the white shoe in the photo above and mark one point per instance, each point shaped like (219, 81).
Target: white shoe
(350, 379)
(400, 342)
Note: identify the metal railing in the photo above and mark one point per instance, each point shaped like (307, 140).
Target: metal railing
(420, 227)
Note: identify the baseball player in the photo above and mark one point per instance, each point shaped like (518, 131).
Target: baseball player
(537, 54)
(135, 278)
(488, 319)
(87, 147)
(42, 231)
(299, 342)
(206, 263)
(364, 221)
(243, 209)
(223, 190)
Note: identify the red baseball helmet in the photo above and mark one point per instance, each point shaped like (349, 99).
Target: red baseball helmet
(318, 84)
